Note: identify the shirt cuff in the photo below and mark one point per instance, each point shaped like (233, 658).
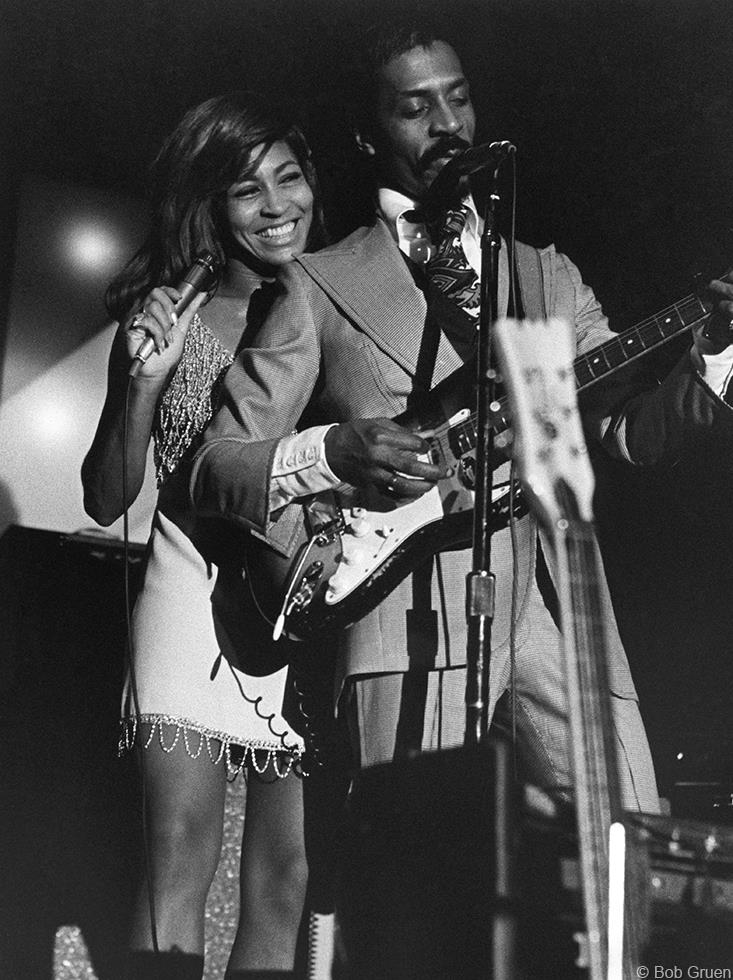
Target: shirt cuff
(300, 467)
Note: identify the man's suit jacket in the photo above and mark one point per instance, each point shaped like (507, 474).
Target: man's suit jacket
(342, 343)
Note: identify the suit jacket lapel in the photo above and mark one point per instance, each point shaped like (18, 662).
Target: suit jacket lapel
(367, 277)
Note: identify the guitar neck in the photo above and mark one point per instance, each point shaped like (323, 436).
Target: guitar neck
(637, 341)
(600, 363)
(594, 772)
(583, 618)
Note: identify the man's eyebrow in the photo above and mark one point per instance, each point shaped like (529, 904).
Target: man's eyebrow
(412, 93)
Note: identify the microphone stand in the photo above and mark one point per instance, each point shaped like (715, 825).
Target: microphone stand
(481, 582)
(480, 605)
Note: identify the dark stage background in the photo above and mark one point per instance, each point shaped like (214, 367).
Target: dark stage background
(622, 113)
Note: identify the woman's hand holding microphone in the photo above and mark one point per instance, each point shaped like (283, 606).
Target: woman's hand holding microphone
(159, 328)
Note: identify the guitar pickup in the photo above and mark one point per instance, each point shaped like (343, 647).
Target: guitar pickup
(461, 438)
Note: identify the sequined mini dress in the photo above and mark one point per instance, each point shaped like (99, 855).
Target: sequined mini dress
(188, 635)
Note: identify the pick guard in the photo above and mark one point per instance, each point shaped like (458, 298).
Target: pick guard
(372, 535)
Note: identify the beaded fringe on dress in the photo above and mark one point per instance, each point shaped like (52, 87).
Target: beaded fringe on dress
(190, 399)
(283, 760)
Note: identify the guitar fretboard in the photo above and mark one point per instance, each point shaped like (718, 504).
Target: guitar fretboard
(598, 364)
(645, 336)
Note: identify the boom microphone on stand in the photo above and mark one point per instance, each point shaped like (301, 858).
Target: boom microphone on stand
(468, 162)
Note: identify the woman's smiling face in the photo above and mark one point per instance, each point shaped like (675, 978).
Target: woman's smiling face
(270, 212)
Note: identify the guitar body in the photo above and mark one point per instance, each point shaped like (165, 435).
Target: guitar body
(337, 577)
(369, 546)
(356, 574)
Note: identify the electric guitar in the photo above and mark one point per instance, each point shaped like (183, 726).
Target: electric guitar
(355, 548)
(555, 471)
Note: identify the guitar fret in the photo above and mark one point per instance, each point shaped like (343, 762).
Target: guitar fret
(632, 345)
(659, 327)
(670, 323)
(583, 373)
(652, 332)
(690, 309)
(595, 365)
(615, 354)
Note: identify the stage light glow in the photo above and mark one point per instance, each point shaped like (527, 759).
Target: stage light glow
(94, 247)
(52, 420)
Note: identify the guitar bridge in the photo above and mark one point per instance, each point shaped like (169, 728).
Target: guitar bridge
(330, 532)
(325, 519)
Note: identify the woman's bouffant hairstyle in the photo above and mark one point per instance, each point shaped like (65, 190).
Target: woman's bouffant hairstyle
(210, 149)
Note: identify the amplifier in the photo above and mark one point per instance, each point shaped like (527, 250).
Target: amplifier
(427, 891)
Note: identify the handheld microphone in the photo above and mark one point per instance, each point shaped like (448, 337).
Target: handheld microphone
(198, 279)
(469, 162)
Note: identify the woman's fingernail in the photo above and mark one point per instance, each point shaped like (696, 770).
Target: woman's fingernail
(174, 318)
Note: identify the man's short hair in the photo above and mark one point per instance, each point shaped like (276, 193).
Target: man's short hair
(393, 37)
(381, 43)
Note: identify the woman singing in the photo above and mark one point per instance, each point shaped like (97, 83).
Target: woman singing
(236, 180)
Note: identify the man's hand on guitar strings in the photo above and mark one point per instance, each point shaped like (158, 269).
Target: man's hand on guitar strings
(381, 454)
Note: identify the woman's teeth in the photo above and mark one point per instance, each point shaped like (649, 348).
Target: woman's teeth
(280, 231)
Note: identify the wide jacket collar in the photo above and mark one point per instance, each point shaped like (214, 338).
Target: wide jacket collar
(370, 280)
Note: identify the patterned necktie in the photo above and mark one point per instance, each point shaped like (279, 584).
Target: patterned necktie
(449, 269)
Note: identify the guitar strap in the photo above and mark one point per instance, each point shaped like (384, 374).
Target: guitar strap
(529, 286)
(430, 339)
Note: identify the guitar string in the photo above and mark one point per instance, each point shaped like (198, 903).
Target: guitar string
(646, 331)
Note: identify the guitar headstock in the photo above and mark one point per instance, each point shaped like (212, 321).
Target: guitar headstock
(536, 363)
